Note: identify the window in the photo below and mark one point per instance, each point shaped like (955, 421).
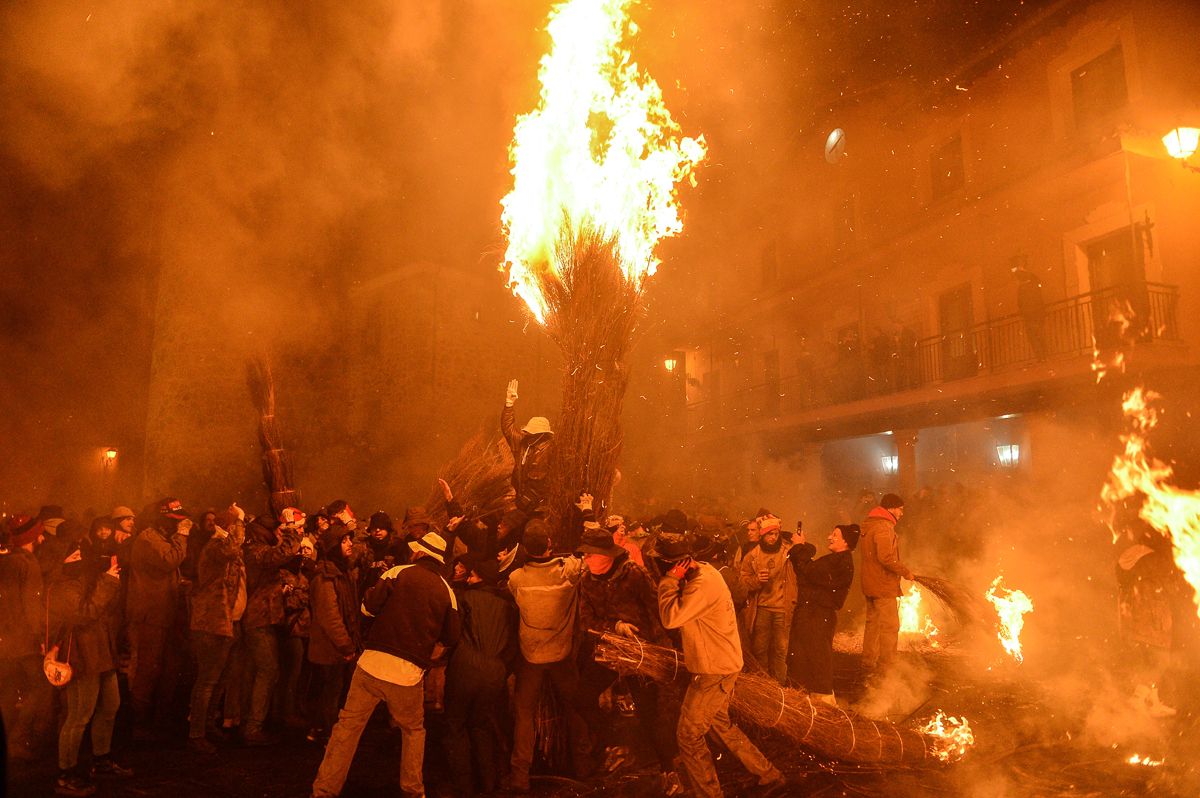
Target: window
(1098, 88)
(946, 168)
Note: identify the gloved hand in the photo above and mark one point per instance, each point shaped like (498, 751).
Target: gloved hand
(625, 628)
(510, 396)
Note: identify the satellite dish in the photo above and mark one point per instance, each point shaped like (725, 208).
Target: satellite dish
(835, 145)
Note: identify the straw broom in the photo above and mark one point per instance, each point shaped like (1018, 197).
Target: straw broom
(760, 702)
(968, 609)
(480, 476)
(276, 464)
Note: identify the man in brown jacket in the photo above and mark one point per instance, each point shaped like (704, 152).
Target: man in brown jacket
(881, 572)
(771, 586)
(153, 601)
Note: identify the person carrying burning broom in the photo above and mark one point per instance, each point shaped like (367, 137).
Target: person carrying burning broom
(693, 597)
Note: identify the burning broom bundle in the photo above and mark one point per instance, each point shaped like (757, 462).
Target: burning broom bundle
(276, 465)
(968, 609)
(761, 702)
(480, 476)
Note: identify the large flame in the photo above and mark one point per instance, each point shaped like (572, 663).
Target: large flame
(915, 619)
(1144, 761)
(952, 737)
(601, 150)
(1174, 512)
(1011, 607)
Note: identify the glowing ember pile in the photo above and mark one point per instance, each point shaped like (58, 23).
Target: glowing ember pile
(952, 737)
(601, 151)
(915, 620)
(1172, 511)
(1011, 607)
(1144, 761)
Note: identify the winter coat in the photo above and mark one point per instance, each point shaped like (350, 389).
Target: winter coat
(625, 593)
(413, 610)
(220, 578)
(881, 565)
(265, 552)
(547, 594)
(700, 606)
(824, 582)
(22, 621)
(780, 591)
(85, 625)
(297, 608)
(154, 578)
(531, 462)
(487, 647)
(333, 636)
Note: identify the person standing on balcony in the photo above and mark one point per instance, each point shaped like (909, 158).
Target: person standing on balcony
(1032, 309)
(881, 573)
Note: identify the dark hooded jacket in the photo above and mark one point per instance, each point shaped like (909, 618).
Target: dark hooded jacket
(83, 620)
(333, 599)
(487, 648)
(531, 462)
(266, 550)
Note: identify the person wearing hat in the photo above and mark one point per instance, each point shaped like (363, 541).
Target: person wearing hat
(477, 676)
(771, 589)
(53, 548)
(414, 611)
(24, 693)
(618, 597)
(82, 610)
(218, 604)
(152, 603)
(821, 587)
(693, 598)
(334, 634)
(882, 570)
(531, 448)
(546, 591)
(123, 517)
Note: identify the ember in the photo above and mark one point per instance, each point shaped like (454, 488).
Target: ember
(1011, 607)
(1145, 761)
(952, 736)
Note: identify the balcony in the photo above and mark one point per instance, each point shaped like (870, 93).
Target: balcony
(1065, 330)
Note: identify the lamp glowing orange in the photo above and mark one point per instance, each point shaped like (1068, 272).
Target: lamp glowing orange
(1181, 143)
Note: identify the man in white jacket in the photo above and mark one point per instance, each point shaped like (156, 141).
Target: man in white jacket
(694, 598)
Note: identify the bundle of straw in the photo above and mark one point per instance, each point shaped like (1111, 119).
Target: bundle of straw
(968, 609)
(480, 476)
(593, 313)
(276, 464)
(762, 703)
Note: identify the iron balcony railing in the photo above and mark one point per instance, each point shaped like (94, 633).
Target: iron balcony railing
(1071, 327)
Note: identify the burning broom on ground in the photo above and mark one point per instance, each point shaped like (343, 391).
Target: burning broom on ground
(762, 703)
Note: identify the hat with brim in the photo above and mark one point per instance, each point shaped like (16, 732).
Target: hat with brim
(23, 529)
(598, 541)
(538, 425)
(430, 544)
(672, 546)
(121, 512)
(172, 508)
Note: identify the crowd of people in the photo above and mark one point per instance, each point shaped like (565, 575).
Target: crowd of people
(309, 621)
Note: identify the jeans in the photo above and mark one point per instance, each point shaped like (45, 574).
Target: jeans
(91, 697)
(475, 702)
(769, 640)
(706, 708)
(407, 708)
(212, 655)
(288, 697)
(331, 679)
(262, 649)
(564, 677)
(810, 655)
(881, 637)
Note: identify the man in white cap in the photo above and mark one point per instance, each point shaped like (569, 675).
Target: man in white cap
(414, 610)
(531, 447)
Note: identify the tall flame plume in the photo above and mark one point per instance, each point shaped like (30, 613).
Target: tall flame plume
(1172, 511)
(600, 152)
(1011, 607)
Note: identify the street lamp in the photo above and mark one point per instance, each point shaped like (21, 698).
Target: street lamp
(1181, 144)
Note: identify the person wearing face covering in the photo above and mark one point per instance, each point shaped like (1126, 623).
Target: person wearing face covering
(617, 596)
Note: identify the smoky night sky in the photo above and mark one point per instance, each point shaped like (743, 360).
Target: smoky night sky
(280, 155)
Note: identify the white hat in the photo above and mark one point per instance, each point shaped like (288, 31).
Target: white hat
(431, 544)
(537, 426)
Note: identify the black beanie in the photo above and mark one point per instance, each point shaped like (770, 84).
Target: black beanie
(850, 534)
(891, 501)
